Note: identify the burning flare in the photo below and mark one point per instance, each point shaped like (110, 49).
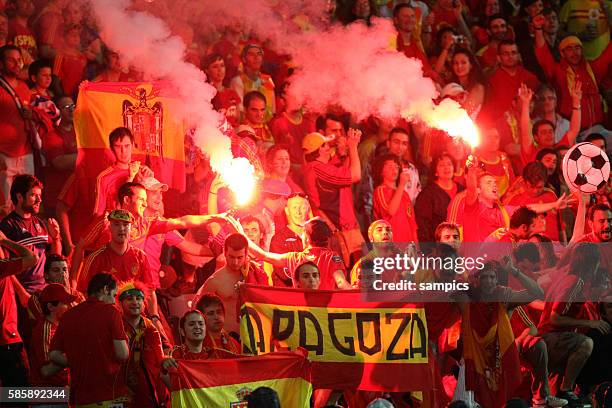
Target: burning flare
(450, 117)
(239, 175)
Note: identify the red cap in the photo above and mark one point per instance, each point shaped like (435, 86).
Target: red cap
(54, 292)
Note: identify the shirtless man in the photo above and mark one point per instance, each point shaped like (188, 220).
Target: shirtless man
(224, 282)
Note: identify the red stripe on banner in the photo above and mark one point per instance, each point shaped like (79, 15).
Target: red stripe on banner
(206, 373)
(372, 377)
(319, 298)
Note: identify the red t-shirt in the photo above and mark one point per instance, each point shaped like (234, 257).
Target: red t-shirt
(487, 56)
(71, 70)
(548, 196)
(107, 186)
(132, 265)
(566, 299)
(182, 353)
(8, 304)
(40, 341)
(14, 139)
(226, 342)
(56, 142)
(78, 195)
(85, 334)
(605, 251)
(326, 260)
(480, 221)
(290, 133)
(403, 221)
(148, 234)
(329, 189)
(414, 50)
(504, 88)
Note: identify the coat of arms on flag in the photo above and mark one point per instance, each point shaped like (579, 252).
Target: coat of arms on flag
(149, 110)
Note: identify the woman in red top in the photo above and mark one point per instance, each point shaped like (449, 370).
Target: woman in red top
(466, 72)
(192, 327)
(391, 201)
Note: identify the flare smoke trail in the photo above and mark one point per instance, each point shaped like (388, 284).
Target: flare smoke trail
(146, 43)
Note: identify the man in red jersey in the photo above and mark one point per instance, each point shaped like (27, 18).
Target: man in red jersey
(91, 341)
(15, 149)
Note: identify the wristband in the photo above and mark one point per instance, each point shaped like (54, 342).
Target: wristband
(155, 317)
(538, 29)
(577, 107)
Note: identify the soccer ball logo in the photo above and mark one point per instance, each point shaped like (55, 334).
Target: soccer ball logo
(586, 168)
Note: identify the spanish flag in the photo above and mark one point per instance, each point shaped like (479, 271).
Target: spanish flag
(227, 382)
(149, 110)
(492, 368)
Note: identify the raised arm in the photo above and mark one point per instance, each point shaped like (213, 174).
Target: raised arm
(525, 95)
(353, 138)
(561, 203)
(580, 221)
(574, 128)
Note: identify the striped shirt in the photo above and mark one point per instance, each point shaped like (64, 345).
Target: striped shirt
(32, 233)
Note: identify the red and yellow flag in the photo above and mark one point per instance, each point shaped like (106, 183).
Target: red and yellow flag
(149, 110)
(227, 382)
(353, 344)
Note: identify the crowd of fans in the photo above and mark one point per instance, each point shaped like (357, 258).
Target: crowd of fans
(92, 267)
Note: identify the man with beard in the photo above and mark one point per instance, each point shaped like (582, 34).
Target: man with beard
(600, 223)
(24, 227)
(497, 28)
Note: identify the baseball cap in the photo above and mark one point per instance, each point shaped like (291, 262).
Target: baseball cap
(452, 89)
(314, 141)
(153, 184)
(276, 187)
(121, 215)
(54, 292)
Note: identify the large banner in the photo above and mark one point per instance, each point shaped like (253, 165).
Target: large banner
(148, 110)
(353, 344)
(226, 383)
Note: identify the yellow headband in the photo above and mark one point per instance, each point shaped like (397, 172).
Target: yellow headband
(570, 40)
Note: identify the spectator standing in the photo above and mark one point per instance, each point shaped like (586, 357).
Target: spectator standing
(91, 341)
